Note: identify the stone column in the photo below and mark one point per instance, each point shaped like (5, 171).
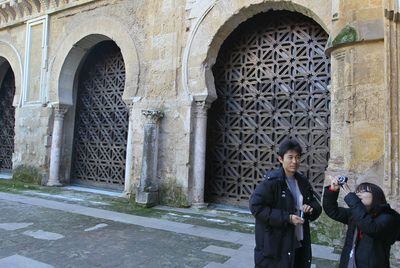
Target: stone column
(129, 157)
(199, 158)
(56, 144)
(392, 109)
(392, 113)
(147, 192)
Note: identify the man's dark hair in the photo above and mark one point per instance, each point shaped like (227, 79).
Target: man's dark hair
(290, 144)
(378, 196)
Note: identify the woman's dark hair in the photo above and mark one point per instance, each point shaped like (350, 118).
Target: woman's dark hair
(378, 196)
(288, 145)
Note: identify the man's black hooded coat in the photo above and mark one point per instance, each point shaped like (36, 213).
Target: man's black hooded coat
(271, 204)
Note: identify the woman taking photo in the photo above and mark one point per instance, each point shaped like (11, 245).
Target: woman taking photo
(372, 224)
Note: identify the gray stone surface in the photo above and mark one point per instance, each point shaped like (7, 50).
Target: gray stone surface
(242, 258)
(17, 261)
(107, 192)
(211, 213)
(101, 238)
(148, 199)
(98, 226)
(5, 176)
(12, 226)
(223, 235)
(118, 245)
(40, 234)
(221, 250)
(324, 252)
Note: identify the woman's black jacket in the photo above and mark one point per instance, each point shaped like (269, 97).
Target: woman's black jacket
(271, 204)
(373, 249)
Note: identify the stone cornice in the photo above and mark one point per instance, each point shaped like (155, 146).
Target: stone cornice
(18, 11)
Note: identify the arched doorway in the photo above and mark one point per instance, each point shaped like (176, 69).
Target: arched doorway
(271, 78)
(101, 119)
(7, 121)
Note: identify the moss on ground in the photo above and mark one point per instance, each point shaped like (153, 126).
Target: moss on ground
(27, 174)
(172, 194)
(325, 231)
(15, 186)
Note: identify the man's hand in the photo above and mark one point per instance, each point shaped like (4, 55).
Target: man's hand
(296, 220)
(307, 209)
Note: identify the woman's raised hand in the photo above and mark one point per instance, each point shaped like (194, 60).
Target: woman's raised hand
(346, 189)
(334, 183)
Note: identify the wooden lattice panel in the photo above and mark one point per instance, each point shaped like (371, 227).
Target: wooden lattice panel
(272, 80)
(7, 121)
(101, 121)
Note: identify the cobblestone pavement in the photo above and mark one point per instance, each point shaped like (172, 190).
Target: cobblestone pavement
(42, 233)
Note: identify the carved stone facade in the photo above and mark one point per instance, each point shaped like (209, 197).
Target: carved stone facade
(169, 49)
(18, 11)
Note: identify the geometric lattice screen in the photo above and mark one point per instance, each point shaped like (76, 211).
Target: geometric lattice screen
(7, 121)
(272, 78)
(101, 120)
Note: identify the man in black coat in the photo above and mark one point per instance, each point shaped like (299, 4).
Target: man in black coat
(282, 235)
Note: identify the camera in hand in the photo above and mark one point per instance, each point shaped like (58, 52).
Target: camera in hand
(342, 180)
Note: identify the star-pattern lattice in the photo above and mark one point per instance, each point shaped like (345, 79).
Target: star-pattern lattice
(7, 121)
(101, 121)
(272, 80)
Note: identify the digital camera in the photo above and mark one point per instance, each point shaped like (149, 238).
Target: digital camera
(342, 180)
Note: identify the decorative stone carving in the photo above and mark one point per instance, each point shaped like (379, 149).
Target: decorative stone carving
(152, 116)
(15, 11)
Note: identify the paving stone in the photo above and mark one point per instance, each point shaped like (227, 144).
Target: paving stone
(220, 250)
(12, 226)
(17, 261)
(324, 252)
(40, 234)
(98, 226)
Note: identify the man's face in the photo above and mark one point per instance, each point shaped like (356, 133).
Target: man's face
(290, 162)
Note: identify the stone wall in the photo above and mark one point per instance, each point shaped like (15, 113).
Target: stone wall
(152, 48)
(169, 47)
(358, 95)
(33, 138)
(357, 114)
(392, 182)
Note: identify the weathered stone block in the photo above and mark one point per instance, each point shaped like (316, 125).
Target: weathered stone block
(147, 199)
